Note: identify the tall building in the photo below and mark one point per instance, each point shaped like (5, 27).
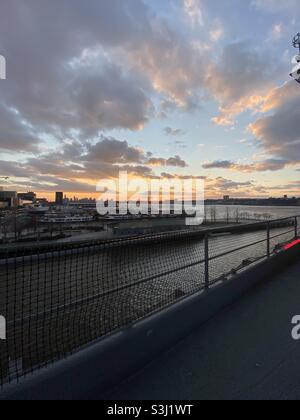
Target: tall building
(29, 196)
(8, 199)
(59, 198)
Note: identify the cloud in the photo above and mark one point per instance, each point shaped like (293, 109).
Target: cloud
(173, 132)
(81, 165)
(66, 80)
(278, 130)
(104, 63)
(166, 175)
(16, 134)
(240, 72)
(220, 186)
(113, 151)
(179, 143)
(174, 67)
(277, 32)
(83, 70)
(239, 80)
(175, 161)
(217, 31)
(106, 97)
(92, 97)
(194, 11)
(275, 6)
(218, 165)
(267, 165)
(229, 184)
(97, 66)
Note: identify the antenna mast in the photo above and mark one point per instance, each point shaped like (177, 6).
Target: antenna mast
(296, 41)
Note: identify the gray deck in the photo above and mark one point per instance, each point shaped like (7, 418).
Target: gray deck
(246, 352)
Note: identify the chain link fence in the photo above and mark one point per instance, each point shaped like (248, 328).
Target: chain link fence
(57, 299)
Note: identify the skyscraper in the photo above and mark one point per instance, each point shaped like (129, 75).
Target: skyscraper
(59, 198)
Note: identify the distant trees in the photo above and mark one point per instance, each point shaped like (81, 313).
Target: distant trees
(232, 214)
(213, 214)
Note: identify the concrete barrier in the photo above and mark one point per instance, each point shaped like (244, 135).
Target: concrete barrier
(102, 365)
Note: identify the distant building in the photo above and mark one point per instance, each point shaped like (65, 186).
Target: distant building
(226, 198)
(9, 199)
(42, 201)
(29, 196)
(59, 198)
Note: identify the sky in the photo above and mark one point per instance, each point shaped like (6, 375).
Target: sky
(158, 88)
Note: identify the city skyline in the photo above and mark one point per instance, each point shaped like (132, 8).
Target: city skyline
(178, 88)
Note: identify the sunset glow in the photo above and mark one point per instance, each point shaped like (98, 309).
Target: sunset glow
(168, 89)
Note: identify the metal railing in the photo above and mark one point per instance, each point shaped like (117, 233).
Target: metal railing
(57, 299)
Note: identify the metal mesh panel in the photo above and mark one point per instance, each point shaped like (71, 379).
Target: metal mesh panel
(60, 298)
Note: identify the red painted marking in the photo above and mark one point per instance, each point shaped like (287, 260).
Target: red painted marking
(292, 244)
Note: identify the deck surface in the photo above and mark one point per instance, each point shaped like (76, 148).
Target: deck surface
(246, 352)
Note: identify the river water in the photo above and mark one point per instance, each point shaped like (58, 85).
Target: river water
(254, 211)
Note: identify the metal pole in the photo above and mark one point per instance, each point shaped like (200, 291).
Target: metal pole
(15, 224)
(206, 247)
(268, 240)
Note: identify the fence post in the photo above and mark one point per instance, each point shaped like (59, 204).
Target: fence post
(268, 240)
(206, 251)
(296, 227)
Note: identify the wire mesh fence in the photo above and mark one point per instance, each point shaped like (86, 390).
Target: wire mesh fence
(57, 299)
